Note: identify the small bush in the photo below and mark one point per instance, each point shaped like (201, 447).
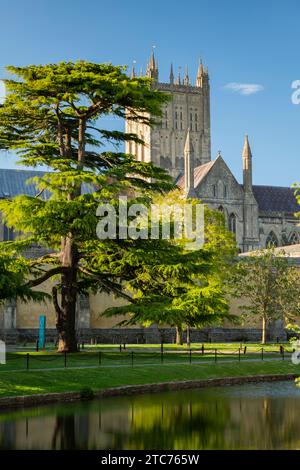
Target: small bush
(87, 394)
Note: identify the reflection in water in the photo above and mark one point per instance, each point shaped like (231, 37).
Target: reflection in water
(256, 416)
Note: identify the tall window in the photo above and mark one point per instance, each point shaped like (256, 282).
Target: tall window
(272, 240)
(294, 239)
(225, 191)
(8, 234)
(214, 190)
(232, 223)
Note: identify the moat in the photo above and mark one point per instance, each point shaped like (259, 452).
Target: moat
(251, 416)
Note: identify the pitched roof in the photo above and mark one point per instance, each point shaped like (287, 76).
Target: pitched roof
(14, 182)
(276, 199)
(199, 173)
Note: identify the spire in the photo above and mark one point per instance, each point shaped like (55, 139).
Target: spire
(246, 150)
(179, 78)
(186, 80)
(171, 75)
(133, 74)
(200, 74)
(152, 59)
(247, 166)
(152, 68)
(189, 166)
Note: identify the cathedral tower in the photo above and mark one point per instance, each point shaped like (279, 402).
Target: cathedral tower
(188, 109)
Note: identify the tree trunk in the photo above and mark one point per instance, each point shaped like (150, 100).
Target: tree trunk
(66, 313)
(188, 337)
(264, 330)
(179, 339)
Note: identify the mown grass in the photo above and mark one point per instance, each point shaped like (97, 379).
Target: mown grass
(47, 381)
(113, 357)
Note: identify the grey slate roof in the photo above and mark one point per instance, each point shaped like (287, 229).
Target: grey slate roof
(13, 182)
(276, 199)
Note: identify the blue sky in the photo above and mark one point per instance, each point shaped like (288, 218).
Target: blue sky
(254, 43)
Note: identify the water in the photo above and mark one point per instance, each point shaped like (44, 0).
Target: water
(252, 416)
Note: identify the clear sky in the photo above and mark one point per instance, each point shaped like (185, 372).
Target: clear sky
(243, 43)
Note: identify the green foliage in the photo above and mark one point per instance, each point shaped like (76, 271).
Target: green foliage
(269, 287)
(177, 286)
(14, 270)
(87, 393)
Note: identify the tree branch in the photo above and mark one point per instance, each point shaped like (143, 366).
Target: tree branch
(107, 284)
(46, 276)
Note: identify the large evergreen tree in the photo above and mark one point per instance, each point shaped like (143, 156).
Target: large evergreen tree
(51, 118)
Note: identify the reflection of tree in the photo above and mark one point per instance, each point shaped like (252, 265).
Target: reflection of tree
(174, 426)
(64, 433)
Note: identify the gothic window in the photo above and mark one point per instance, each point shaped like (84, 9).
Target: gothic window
(225, 191)
(191, 117)
(8, 234)
(176, 115)
(214, 190)
(221, 209)
(232, 223)
(196, 117)
(176, 126)
(272, 240)
(196, 127)
(181, 115)
(294, 239)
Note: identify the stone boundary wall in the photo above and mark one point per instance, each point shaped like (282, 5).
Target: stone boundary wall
(127, 390)
(145, 335)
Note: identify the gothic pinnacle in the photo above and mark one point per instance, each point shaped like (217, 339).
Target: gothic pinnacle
(186, 76)
(171, 75)
(246, 149)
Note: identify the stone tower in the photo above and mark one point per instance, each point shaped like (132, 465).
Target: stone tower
(250, 206)
(188, 109)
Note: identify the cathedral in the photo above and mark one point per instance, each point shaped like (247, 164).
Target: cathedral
(181, 143)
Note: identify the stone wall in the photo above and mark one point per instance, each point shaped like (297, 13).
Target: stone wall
(147, 335)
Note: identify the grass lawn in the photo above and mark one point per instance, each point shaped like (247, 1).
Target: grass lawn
(31, 382)
(23, 360)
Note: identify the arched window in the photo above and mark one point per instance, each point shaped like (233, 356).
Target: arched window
(294, 238)
(214, 190)
(8, 234)
(221, 209)
(232, 223)
(225, 191)
(272, 240)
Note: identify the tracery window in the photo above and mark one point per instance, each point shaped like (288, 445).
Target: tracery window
(272, 240)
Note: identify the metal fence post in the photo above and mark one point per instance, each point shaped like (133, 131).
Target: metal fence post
(282, 353)
(190, 356)
(65, 358)
(202, 348)
(239, 354)
(262, 354)
(27, 361)
(99, 358)
(132, 358)
(161, 355)
(215, 355)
